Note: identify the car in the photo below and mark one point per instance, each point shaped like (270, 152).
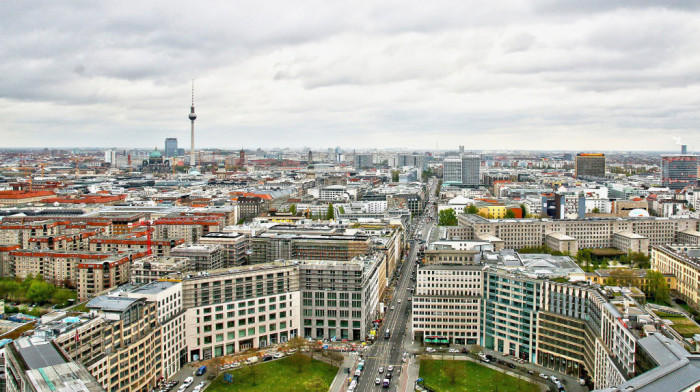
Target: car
(453, 350)
(554, 379)
(182, 388)
(542, 375)
(430, 350)
(490, 357)
(201, 384)
(388, 375)
(464, 350)
(390, 368)
(377, 381)
(278, 355)
(197, 389)
(510, 365)
(188, 381)
(381, 369)
(392, 308)
(399, 300)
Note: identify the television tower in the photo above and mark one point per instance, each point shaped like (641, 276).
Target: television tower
(192, 116)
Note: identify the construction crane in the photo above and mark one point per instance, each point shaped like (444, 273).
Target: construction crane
(149, 241)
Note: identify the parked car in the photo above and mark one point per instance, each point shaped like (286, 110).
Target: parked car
(464, 350)
(381, 370)
(377, 381)
(390, 368)
(453, 350)
(430, 350)
(542, 375)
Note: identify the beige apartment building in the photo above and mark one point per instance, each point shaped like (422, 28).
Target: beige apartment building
(590, 233)
(684, 263)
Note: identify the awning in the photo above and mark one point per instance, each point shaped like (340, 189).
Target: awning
(442, 341)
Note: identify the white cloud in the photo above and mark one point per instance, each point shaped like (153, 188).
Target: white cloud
(513, 75)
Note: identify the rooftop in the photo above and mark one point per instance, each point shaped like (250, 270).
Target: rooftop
(111, 304)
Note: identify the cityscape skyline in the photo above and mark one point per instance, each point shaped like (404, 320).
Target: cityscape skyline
(513, 76)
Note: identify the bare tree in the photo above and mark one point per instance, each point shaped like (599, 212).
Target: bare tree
(451, 369)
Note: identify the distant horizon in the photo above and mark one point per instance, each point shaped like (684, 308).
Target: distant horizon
(346, 149)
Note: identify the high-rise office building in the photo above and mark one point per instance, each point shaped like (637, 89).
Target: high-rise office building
(590, 165)
(170, 147)
(363, 161)
(463, 170)
(679, 171)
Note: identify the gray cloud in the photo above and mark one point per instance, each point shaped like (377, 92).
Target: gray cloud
(372, 74)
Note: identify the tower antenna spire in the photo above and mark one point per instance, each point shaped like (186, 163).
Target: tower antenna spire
(192, 116)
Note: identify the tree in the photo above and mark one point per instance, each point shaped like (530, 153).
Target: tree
(40, 292)
(510, 214)
(394, 176)
(330, 214)
(623, 277)
(11, 288)
(524, 208)
(475, 349)
(639, 260)
(251, 370)
(62, 296)
(451, 369)
(657, 286)
(293, 209)
(336, 358)
(315, 385)
(447, 217)
(297, 344)
(471, 209)
(596, 210)
(215, 367)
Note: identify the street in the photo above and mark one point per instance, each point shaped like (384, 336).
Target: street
(386, 352)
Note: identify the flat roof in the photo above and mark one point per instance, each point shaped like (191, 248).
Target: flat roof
(38, 353)
(111, 304)
(154, 287)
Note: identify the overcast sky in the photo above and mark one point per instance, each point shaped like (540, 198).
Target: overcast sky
(533, 74)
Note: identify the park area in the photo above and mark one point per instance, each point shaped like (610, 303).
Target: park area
(290, 374)
(467, 376)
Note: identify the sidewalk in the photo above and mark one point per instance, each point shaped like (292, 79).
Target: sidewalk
(340, 383)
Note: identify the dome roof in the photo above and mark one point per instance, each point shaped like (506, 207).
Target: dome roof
(156, 154)
(638, 213)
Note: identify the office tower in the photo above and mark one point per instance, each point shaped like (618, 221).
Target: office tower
(679, 171)
(363, 161)
(462, 170)
(452, 170)
(311, 157)
(590, 165)
(461, 150)
(471, 170)
(684, 149)
(170, 147)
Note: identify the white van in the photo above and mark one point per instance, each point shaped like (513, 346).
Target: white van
(252, 360)
(188, 381)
